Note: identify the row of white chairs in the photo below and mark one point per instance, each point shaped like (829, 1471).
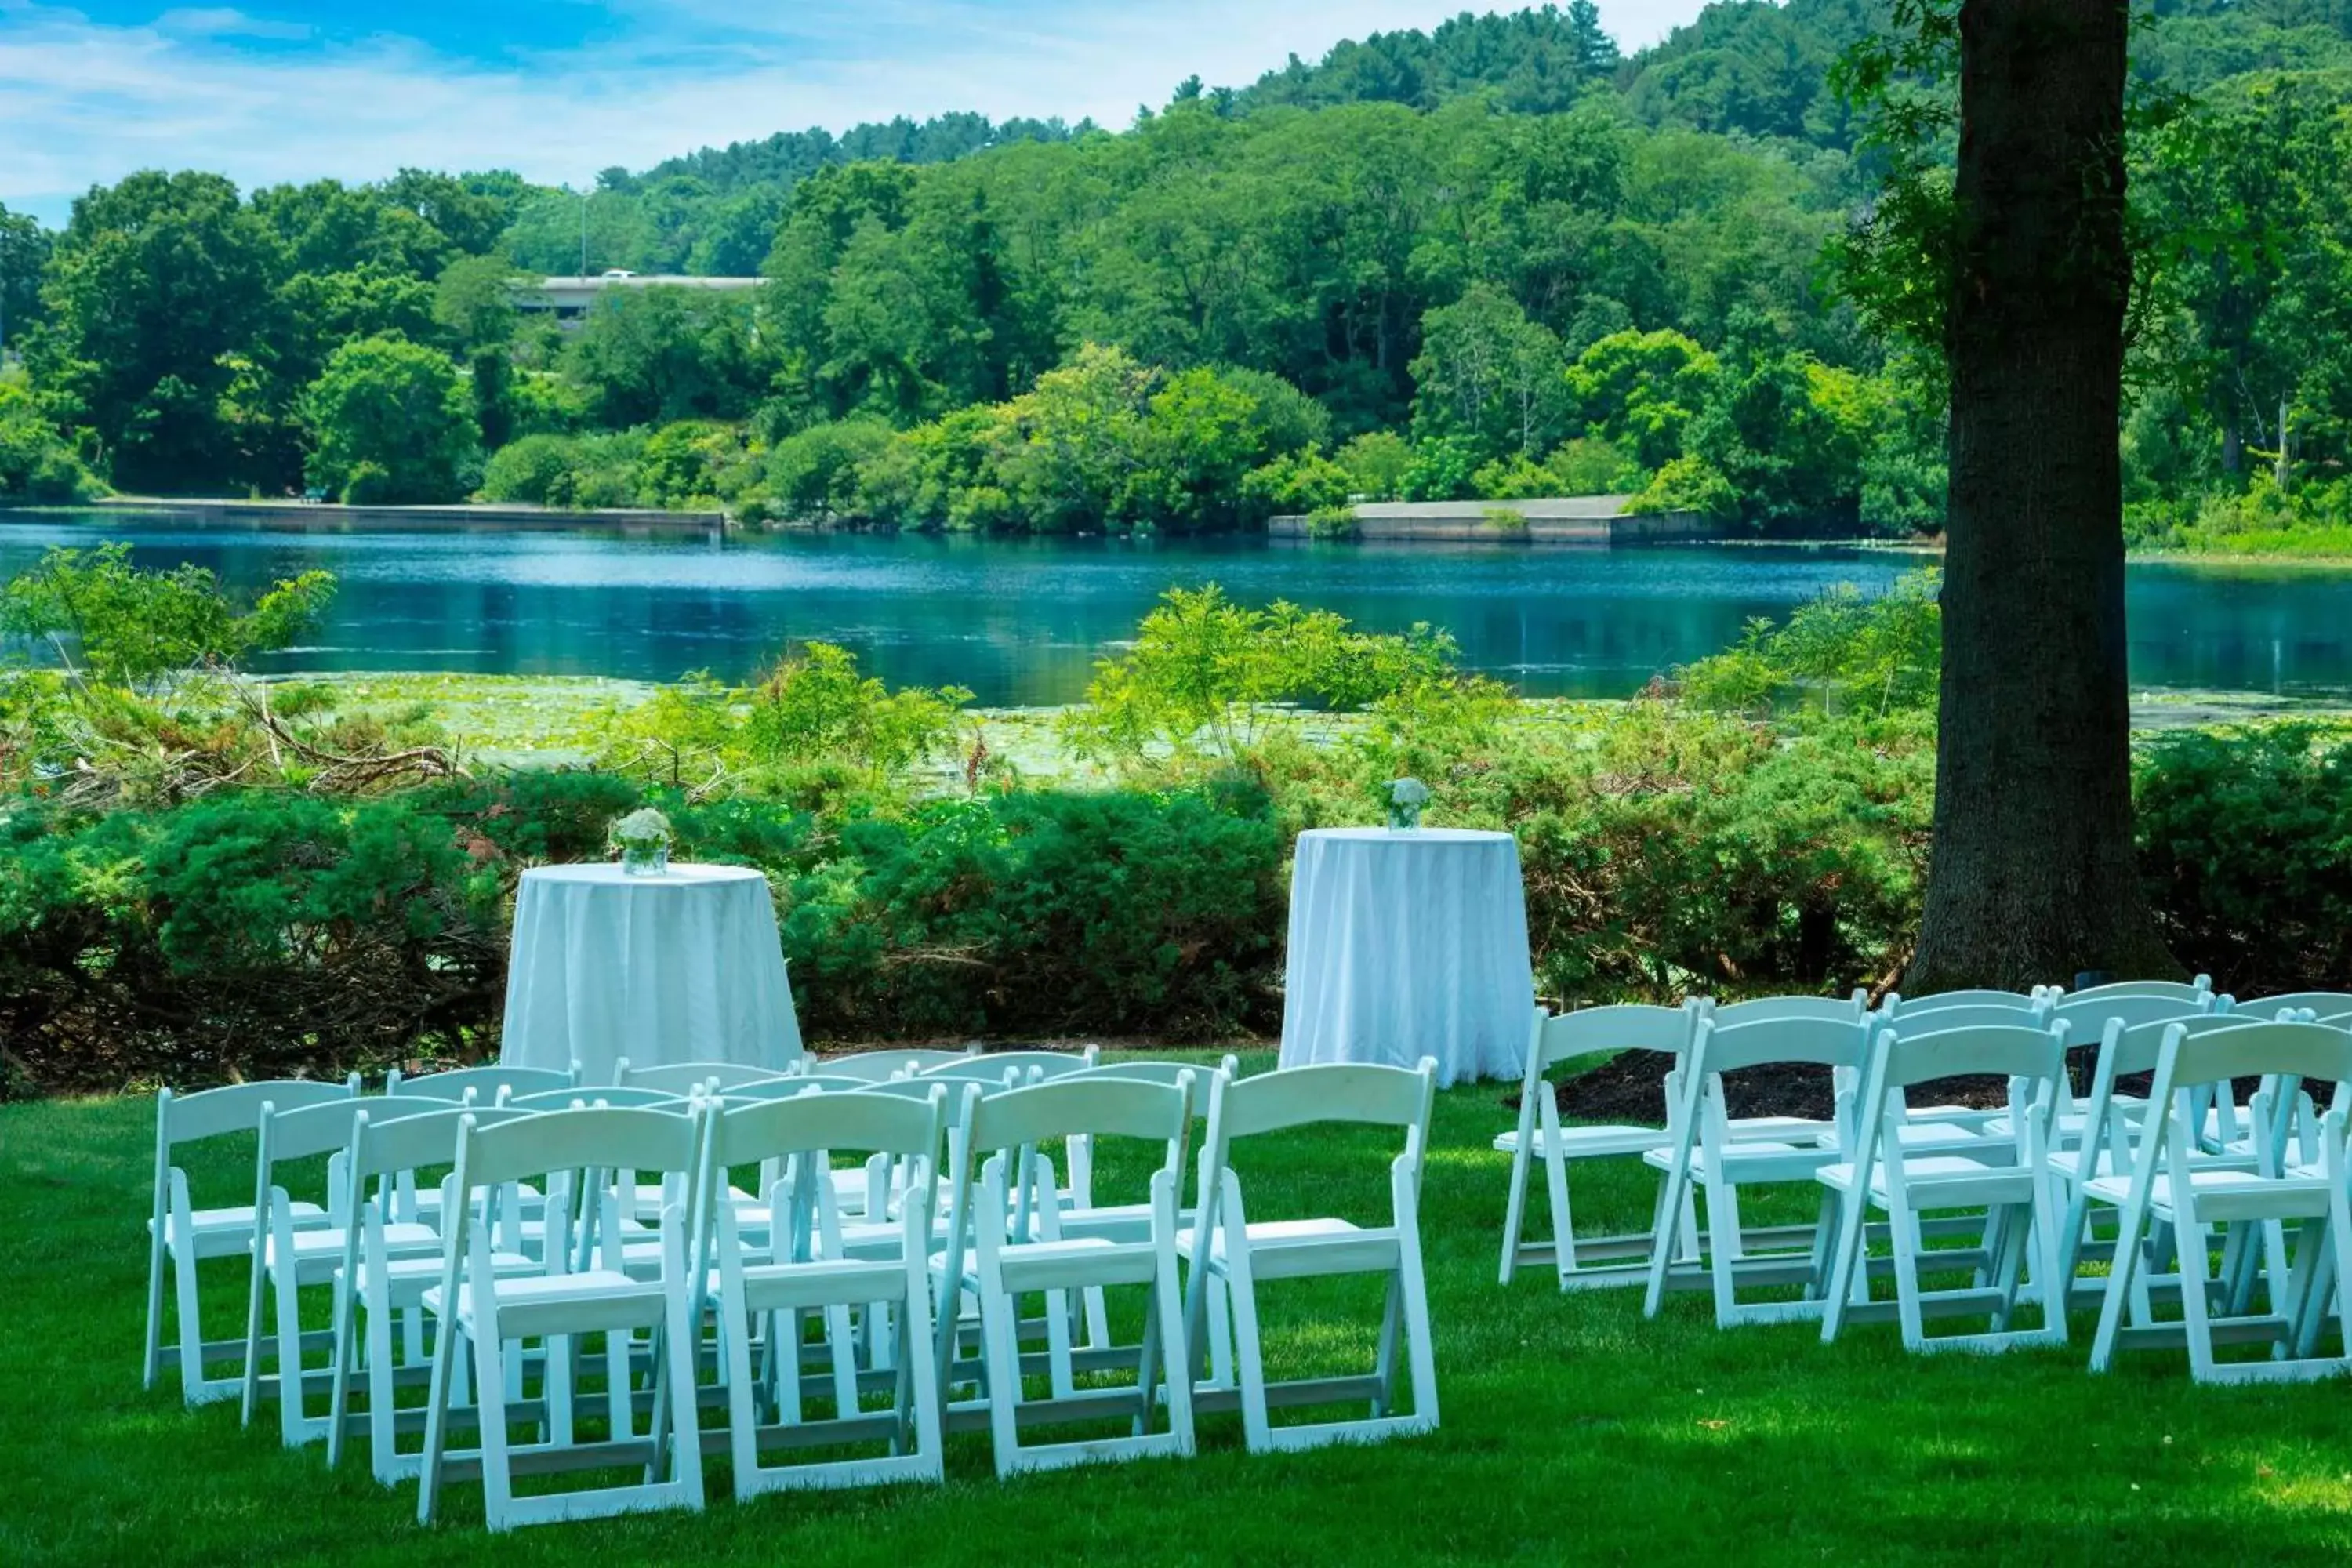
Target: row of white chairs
(572, 1211)
(2024, 1189)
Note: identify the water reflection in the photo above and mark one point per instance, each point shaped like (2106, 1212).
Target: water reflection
(1021, 622)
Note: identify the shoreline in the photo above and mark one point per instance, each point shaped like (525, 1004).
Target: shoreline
(324, 517)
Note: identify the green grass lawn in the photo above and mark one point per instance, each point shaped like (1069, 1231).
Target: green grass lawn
(1572, 1429)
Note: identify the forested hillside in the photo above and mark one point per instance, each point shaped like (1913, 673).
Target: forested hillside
(1494, 258)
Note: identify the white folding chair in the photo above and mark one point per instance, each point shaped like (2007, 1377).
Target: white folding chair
(483, 1085)
(1956, 1128)
(805, 1269)
(1574, 1038)
(2104, 1133)
(986, 1257)
(2017, 1190)
(2169, 1184)
(877, 1065)
(288, 1259)
(1708, 1157)
(483, 1310)
(374, 1279)
(586, 1096)
(1228, 1250)
(180, 1236)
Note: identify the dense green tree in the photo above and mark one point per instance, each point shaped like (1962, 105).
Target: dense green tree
(651, 354)
(156, 283)
(1489, 374)
(390, 421)
(24, 252)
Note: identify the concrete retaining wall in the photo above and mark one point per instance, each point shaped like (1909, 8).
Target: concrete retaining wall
(1570, 519)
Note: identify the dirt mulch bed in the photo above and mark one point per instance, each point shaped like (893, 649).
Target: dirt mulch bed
(1628, 1088)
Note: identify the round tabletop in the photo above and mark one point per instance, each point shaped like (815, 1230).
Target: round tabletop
(685, 966)
(1404, 944)
(1408, 837)
(612, 875)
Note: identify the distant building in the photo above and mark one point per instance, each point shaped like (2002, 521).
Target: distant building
(568, 298)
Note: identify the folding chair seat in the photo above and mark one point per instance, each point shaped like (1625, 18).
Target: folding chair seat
(2168, 1184)
(483, 1309)
(1707, 1159)
(1575, 1039)
(376, 1279)
(287, 1257)
(986, 1257)
(180, 1236)
(802, 1270)
(1228, 1251)
(2012, 1185)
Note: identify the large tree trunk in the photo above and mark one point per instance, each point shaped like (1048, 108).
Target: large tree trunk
(2032, 876)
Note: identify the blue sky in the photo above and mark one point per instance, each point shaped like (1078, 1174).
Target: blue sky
(274, 91)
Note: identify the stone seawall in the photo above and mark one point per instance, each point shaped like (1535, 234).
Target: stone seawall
(317, 515)
(1576, 519)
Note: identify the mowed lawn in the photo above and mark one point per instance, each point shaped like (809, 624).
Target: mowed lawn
(1573, 1430)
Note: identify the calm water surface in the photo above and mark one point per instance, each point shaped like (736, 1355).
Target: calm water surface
(1021, 622)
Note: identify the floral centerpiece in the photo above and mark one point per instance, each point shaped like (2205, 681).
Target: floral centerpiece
(1406, 797)
(643, 838)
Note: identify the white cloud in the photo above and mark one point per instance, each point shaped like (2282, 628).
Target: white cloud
(82, 103)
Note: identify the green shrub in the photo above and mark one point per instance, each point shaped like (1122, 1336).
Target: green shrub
(1333, 522)
(1692, 485)
(2245, 842)
(1504, 522)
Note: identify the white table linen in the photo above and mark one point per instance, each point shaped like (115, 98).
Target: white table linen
(1404, 945)
(685, 967)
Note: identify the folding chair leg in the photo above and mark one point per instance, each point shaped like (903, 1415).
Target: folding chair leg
(490, 1378)
(1384, 1364)
(1514, 1209)
(446, 1351)
(153, 1366)
(192, 1331)
(290, 1403)
(1420, 1344)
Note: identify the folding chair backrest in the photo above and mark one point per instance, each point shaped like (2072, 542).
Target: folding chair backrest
(984, 1072)
(685, 1078)
(2323, 1004)
(409, 1142)
(1090, 1105)
(2140, 1047)
(869, 1123)
(1046, 1064)
(1300, 1097)
(790, 1087)
(1832, 1043)
(1969, 1016)
(486, 1083)
(1894, 1005)
(1768, 1009)
(877, 1065)
(1229, 1065)
(587, 1095)
(604, 1137)
(2087, 1017)
(1565, 1036)
(310, 1131)
(212, 1112)
(2258, 1049)
(2193, 992)
(2004, 1050)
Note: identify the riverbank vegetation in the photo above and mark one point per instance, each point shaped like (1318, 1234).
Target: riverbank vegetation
(203, 875)
(1492, 260)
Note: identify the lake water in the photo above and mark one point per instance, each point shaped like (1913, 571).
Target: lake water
(1021, 622)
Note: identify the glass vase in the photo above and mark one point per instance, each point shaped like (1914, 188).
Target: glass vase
(646, 859)
(1403, 817)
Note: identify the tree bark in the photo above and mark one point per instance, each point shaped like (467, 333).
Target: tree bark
(2033, 876)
